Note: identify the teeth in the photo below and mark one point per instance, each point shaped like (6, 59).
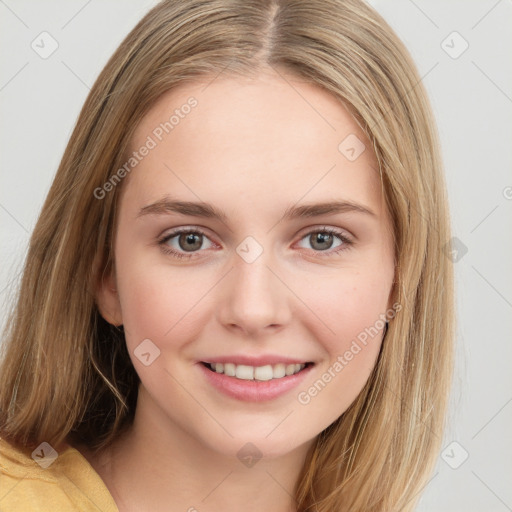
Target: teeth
(267, 372)
(290, 369)
(263, 372)
(229, 369)
(244, 372)
(279, 370)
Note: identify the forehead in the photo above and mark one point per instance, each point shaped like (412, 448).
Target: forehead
(273, 135)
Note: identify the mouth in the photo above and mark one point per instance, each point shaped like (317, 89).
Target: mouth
(257, 373)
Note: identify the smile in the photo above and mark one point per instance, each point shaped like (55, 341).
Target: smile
(260, 373)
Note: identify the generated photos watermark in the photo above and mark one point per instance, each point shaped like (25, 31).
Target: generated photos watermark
(151, 142)
(362, 339)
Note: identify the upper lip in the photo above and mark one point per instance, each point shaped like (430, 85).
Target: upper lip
(262, 360)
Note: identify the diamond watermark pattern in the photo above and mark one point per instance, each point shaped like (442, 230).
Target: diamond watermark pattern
(455, 249)
(351, 147)
(44, 45)
(249, 249)
(146, 352)
(454, 455)
(454, 45)
(44, 455)
(249, 455)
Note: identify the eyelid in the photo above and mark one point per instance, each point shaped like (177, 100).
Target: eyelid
(345, 236)
(326, 227)
(169, 233)
(161, 239)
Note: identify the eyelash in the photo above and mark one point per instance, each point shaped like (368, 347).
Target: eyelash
(162, 242)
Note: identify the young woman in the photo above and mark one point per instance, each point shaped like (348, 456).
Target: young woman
(236, 296)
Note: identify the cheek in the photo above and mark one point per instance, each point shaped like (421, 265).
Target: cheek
(349, 322)
(157, 302)
(347, 304)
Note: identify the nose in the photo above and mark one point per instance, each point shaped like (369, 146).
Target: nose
(254, 298)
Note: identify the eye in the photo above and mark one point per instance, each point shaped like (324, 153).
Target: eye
(184, 242)
(322, 239)
(187, 240)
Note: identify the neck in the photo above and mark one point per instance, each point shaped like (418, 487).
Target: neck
(165, 469)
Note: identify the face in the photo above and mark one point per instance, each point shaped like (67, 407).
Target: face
(256, 278)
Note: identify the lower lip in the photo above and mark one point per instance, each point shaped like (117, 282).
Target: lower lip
(253, 390)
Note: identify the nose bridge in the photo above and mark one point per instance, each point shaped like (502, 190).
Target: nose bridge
(255, 297)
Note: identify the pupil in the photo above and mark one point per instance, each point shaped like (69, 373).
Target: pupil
(322, 238)
(189, 240)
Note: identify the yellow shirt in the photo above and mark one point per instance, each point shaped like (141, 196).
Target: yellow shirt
(68, 483)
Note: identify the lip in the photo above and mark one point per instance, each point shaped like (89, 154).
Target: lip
(262, 360)
(253, 390)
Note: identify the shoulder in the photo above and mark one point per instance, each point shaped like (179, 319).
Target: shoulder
(44, 479)
(22, 462)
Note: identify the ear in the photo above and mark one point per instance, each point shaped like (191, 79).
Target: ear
(107, 296)
(393, 296)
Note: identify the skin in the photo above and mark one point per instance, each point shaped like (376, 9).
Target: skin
(251, 147)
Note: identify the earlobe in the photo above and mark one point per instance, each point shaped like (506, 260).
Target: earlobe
(107, 299)
(385, 331)
(393, 295)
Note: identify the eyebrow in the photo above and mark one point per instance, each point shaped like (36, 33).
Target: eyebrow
(166, 206)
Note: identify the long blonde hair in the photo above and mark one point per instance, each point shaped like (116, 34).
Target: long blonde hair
(65, 372)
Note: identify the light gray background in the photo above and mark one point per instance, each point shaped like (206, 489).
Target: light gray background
(472, 99)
